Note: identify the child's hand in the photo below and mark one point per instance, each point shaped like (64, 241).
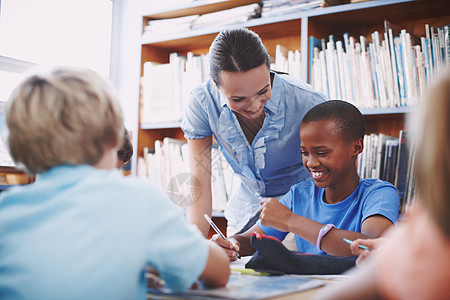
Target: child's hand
(373, 244)
(230, 246)
(274, 214)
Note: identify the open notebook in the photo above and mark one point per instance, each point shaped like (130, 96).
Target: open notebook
(242, 286)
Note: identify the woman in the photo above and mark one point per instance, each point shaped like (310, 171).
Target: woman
(255, 116)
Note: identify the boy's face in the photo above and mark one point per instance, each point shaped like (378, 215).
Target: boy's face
(325, 154)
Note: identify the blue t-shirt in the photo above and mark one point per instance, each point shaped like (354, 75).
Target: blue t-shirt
(83, 233)
(273, 162)
(371, 197)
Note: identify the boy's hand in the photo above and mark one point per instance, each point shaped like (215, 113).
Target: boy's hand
(229, 246)
(274, 214)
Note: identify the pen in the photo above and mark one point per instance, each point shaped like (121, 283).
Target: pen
(360, 246)
(216, 229)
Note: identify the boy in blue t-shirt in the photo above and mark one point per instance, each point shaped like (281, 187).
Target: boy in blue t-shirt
(82, 230)
(336, 203)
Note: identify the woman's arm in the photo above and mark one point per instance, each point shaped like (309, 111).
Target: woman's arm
(200, 166)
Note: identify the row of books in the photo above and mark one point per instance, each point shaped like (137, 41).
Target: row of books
(391, 159)
(382, 73)
(167, 165)
(286, 61)
(166, 87)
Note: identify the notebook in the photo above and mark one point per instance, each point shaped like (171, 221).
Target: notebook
(242, 286)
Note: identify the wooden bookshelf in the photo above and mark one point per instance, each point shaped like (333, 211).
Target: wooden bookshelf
(293, 30)
(13, 176)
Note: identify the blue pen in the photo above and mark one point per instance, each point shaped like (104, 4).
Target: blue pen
(360, 246)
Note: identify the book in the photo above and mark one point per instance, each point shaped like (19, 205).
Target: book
(241, 286)
(409, 190)
(380, 154)
(313, 44)
(403, 161)
(390, 160)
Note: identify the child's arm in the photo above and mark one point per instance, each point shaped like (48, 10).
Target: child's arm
(217, 269)
(278, 216)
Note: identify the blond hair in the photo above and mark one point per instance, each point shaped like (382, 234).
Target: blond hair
(62, 116)
(432, 159)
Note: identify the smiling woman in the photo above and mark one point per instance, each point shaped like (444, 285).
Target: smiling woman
(254, 115)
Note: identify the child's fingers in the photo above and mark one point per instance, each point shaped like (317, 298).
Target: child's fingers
(235, 245)
(231, 254)
(232, 245)
(362, 257)
(221, 242)
(355, 249)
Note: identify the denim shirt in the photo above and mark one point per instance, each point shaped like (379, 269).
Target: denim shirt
(272, 163)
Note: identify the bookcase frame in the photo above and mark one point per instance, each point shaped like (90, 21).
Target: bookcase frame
(293, 31)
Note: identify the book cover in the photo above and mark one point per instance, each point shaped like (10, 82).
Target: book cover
(380, 153)
(402, 163)
(313, 43)
(390, 160)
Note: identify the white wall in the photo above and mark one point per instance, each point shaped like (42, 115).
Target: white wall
(125, 61)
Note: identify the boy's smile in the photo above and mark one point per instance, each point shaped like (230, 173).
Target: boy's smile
(328, 158)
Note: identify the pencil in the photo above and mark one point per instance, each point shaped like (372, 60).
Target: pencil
(216, 229)
(360, 246)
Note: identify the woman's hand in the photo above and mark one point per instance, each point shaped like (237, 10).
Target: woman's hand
(274, 214)
(231, 246)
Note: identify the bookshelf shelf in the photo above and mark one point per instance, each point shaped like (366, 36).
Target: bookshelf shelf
(197, 7)
(386, 110)
(146, 126)
(364, 111)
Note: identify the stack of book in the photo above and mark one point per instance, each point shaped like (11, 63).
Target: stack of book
(389, 72)
(241, 14)
(391, 159)
(236, 15)
(167, 165)
(282, 7)
(287, 61)
(166, 87)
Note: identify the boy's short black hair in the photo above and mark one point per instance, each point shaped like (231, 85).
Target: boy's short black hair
(125, 151)
(348, 119)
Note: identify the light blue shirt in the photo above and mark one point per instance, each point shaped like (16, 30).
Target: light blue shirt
(83, 233)
(371, 197)
(272, 163)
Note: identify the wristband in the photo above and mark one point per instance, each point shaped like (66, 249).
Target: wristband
(324, 230)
